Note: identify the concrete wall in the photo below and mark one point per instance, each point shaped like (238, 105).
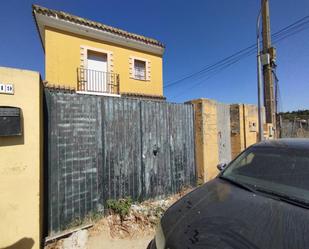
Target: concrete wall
(222, 132)
(21, 164)
(244, 127)
(212, 137)
(63, 55)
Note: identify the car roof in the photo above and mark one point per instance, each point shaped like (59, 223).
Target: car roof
(292, 143)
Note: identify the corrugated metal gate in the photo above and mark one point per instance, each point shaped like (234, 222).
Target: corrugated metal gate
(294, 128)
(100, 148)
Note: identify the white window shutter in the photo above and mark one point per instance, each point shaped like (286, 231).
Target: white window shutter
(148, 70)
(131, 67)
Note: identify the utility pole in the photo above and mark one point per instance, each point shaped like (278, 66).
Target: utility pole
(259, 77)
(268, 62)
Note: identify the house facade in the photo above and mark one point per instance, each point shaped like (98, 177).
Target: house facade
(93, 58)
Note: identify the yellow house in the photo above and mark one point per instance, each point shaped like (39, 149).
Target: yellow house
(93, 58)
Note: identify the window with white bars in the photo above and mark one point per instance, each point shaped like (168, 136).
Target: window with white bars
(139, 69)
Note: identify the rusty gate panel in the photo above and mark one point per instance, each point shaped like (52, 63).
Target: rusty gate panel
(181, 142)
(73, 156)
(121, 165)
(100, 148)
(155, 149)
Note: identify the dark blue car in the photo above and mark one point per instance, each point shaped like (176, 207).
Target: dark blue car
(259, 201)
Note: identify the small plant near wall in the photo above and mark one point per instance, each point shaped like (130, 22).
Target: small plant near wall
(91, 217)
(120, 207)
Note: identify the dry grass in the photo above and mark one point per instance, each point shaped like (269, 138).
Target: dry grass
(142, 219)
(140, 222)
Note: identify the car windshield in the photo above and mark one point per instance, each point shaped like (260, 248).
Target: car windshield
(283, 171)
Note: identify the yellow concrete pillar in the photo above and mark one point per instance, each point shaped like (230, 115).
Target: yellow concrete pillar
(21, 163)
(206, 138)
(211, 137)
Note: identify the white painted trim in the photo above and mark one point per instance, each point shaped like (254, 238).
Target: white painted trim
(101, 35)
(139, 58)
(99, 94)
(147, 76)
(99, 50)
(109, 55)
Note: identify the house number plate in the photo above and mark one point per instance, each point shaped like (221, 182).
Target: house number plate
(7, 88)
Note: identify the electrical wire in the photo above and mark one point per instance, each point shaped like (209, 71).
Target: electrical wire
(252, 48)
(285, 32)
(235, 60)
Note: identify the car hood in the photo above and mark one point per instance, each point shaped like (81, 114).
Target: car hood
(224, 216)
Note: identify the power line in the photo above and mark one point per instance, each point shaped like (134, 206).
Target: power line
(210, 76)
(293, 24)
(281, 34)
(250, 48)
(237, 59)
(227, 60)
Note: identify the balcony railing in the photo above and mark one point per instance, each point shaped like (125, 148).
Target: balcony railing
(97, 81)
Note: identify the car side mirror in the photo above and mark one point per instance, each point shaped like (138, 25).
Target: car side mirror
(221, 166)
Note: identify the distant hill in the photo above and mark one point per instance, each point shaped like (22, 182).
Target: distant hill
(300, 114)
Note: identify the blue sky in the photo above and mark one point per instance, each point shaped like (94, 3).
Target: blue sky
(196, 34)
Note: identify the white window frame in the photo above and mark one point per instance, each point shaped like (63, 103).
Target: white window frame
(84, 57)
(83, 64)
(147, 65)
(143, 75)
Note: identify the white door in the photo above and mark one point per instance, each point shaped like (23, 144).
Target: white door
(97, 72)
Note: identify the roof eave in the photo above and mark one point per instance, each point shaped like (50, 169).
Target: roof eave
(43, 20)
(38, 29)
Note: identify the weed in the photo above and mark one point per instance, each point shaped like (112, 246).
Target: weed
(94, 216)
(120, 207)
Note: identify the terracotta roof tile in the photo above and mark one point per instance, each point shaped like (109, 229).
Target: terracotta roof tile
(82, 21)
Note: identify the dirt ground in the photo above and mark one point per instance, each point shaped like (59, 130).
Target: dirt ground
(134, 231)
(107, 233)
(104, 241)
(101, 236)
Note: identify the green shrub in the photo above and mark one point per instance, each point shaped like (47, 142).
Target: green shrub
(121, 206)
